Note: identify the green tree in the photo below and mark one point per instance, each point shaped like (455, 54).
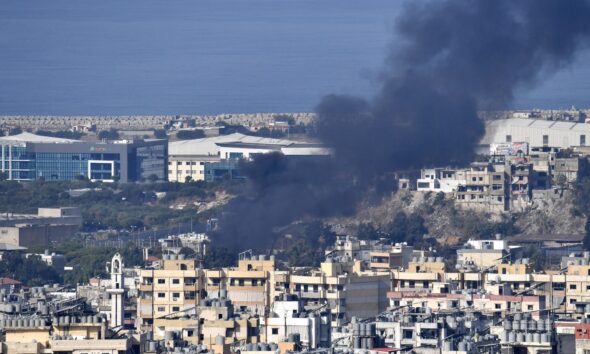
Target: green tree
(190, 134)
(367, 231)
(31, 271)
(111, 134)
(160, 134)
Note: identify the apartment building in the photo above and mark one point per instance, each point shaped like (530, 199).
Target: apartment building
(168, 292)
(486, 188)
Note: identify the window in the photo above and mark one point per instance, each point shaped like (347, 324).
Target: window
(529, 307)
(545, 140)
(275, 331)
(161, 309)
(573, 286)
(423, 185)
(498, 306)
(161, 281)
(175, 308)
(582, 139)
(175, 281)
(508, 138)
(161, 295)
(176, 295)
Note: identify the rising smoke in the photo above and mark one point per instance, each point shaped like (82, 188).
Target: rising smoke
(452, 58)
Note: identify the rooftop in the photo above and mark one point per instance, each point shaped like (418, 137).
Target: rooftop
(9, 281)
(546, 237)
(209, 146)
(27, 137)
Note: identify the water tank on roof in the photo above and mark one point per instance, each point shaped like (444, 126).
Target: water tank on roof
(507, 324)
(537, 337)
(520, 337)
(511, 337)
(532, 325)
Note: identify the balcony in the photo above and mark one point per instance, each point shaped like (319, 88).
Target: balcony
(146, 287)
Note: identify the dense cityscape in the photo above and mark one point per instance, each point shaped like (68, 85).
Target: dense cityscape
(438, 204)
(171, 288)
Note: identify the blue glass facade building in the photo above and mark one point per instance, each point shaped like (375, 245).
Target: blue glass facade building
(124, 161)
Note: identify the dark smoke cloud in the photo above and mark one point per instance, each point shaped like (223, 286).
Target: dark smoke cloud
(452, 58)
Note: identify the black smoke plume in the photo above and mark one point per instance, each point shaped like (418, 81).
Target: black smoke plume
(452, 58)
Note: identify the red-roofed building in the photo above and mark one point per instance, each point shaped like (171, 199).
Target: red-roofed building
(10, 284)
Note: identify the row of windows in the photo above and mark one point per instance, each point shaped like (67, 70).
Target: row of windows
(546, 139)
(187, 163)
(176, 281)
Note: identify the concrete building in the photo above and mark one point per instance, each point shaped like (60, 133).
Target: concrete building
(537, 132)
(174, 288)
(486, 188)
(482, 254)
(438, 180)
(48, 226)
(288, 317)
(56, 261)
(199, 243)
(27, 157)
(215, 157)
(63, 335)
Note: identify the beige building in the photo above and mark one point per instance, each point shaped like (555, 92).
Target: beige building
(180, 168)
(485, 188)
(31, 235)
(169, 292)
(63, 335)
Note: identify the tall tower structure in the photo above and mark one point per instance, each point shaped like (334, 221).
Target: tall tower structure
(117, 290)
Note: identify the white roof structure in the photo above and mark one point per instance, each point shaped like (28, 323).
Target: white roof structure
(208, 146)
(533, 131)
(26, 137)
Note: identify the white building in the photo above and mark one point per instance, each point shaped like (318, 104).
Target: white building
(188, 158)
(438, 180)
(287, 317)
(537, 132)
